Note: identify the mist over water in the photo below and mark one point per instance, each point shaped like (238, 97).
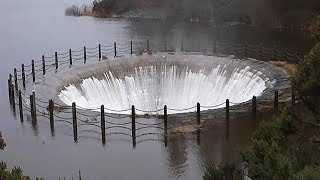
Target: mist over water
(150, 88)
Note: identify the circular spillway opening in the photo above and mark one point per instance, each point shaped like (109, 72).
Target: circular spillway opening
(178, 86)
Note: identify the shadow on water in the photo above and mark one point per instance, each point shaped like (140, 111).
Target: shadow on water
(217, 140)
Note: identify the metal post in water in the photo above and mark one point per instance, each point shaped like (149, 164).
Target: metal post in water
(103, 125)
(148, 45)
(74, 122)
(20, 106)
(43, 65)
(32, 110)
(70, 57)
(99, 52)
(56, 60)
(133, 118)
(165, 124)
(115, 49)
(254, 107)
(51, 106)
(9, 90)
(13, 98)
(165, 119)
(227, 118)
(15, 79)
(31, 106)
(32, 71)
(34, 106)
(131, 48)
(84, 55)
(198, 113)
(23, 76)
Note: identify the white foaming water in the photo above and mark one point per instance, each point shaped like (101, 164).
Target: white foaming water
(152, 87)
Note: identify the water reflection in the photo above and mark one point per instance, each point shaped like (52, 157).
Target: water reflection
(35, 27)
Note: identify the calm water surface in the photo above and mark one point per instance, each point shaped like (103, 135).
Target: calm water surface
(31, 28)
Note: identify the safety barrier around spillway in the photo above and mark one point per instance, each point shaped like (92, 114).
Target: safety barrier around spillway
(34, 108)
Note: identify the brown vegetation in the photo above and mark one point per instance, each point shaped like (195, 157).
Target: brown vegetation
(290, 68)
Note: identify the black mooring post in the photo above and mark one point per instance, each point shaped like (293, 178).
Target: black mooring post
(32, 110)
(51, 106)
(198, 113)
(15, 79)
(133, 118)
(131, 52)
(182, 49)
(20, 106)
(43, 65)
(165, 119)
(165, 45)
(34, 106)
(227, 118)
(84, 54)
(115, 49)
(10, 78)
(13, 98)
(99, 52)
(103, 125)
(9, 90)
(23, 76)
(254, 107)
(31, 107)
(276, 100)
(74, 122)
(32, 71)
(70, 57)
(56, 60)
(148, 45)
(9, 87)
(165, 123)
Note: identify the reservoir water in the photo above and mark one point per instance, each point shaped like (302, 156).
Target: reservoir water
(31, 28)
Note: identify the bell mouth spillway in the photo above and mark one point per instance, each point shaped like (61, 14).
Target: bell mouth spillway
(149, 88)
(178, 81)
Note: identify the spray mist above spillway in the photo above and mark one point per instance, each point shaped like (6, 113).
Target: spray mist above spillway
(178, 81)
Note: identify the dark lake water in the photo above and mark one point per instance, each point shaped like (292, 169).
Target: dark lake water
(31, 28)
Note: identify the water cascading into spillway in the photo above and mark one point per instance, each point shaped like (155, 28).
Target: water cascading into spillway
(150, 88)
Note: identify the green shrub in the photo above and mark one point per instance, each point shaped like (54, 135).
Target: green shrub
(14, 174)
(225, 170)
(264, 157)
(308, 173)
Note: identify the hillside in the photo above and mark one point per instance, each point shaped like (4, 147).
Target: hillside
(254, 12)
